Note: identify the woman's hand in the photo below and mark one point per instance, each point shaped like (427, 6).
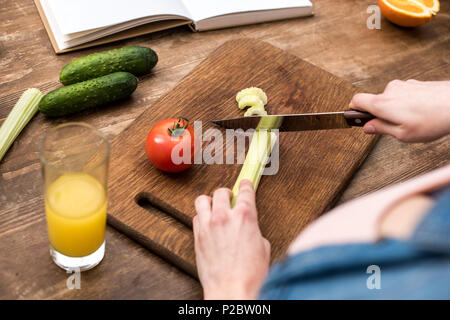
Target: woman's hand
(231, 254)
(411, 111)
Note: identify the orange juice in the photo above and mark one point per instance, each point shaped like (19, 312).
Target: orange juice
(75, 205)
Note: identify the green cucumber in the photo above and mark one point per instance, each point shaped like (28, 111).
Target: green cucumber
(136, 60)
(88, 94)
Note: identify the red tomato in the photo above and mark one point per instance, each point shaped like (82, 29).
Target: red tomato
(166, 143)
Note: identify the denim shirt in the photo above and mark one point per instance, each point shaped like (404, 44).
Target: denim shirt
(417, 268)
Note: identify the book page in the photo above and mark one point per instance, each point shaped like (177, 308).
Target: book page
(204, 9)
(80, 15)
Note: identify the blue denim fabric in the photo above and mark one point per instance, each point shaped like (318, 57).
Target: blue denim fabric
(418, 268)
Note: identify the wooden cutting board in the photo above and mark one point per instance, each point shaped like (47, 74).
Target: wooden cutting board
(156, 209)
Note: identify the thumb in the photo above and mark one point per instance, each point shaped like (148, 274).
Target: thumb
(378, 126)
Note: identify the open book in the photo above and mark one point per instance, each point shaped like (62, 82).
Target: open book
(75, 24)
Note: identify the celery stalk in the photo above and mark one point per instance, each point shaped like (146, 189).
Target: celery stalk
(25, 108)
(257, 156)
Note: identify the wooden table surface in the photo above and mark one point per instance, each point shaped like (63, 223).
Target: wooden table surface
(335, 39)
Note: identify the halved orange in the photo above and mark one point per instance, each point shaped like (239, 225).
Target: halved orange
(409, 13)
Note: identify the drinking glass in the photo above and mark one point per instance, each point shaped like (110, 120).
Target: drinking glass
(74, 160)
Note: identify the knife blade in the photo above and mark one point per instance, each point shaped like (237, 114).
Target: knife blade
(300, 122)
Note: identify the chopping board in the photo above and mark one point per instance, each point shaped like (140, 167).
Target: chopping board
(156, 209)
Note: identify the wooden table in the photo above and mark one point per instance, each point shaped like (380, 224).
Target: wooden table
(336, 39)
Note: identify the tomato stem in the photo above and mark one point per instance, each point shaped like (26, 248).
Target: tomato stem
(178, 128)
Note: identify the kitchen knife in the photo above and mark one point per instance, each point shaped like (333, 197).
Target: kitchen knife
(300, 122)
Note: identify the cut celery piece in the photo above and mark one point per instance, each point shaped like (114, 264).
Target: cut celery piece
(255, 111)
(252, 91)
(251, 101)
(25, 108)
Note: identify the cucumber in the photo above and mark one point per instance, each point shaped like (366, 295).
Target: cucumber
(88, 94)
(136, 60)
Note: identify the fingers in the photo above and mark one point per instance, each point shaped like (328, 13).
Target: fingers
(245, 200)
(377, 104)
(414, 81)
(217, 208)
(267, 246)
(363, 102)
(195, 224)
(195, 227)
(221, 202)
(380, 105)
(203, 208)
(378, 126)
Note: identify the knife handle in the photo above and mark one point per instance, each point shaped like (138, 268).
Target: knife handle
(357, 118)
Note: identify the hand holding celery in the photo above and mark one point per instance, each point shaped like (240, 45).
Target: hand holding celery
(262, 142)
(25, 108)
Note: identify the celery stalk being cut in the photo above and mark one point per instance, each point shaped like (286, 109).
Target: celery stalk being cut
(257, 156)
(25, 108)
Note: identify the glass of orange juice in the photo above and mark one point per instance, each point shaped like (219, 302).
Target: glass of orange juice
(74, 160)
